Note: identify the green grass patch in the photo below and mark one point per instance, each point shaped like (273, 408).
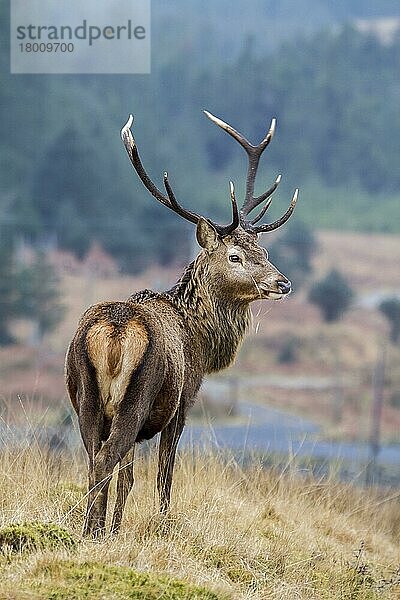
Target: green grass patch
(59, 580)
(20, 537)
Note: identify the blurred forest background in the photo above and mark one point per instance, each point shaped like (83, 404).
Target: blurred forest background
(333, 87)
(328, 70)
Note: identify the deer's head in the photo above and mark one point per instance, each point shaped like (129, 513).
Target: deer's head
(238, 265)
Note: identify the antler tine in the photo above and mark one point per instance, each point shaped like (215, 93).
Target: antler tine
(235, 212)
(231, 130)
(221, 229)
(170, 200)
(263, 197)
(131, 148)
(262, 212)
(279, 222)
(253, 153)
(270, 191)
(269, 135)
(175, 206)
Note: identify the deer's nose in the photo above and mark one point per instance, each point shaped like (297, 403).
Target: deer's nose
(284, 285)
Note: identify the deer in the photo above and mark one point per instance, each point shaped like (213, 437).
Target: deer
(134, 367)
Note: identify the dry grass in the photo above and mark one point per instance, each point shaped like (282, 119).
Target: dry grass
(237, 533)
(368, 260)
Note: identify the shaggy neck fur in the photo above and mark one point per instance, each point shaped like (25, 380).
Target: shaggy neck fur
(217, 324)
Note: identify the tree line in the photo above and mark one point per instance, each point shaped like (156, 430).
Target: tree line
(66, 179)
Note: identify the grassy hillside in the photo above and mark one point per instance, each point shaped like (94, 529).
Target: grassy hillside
(232, 533)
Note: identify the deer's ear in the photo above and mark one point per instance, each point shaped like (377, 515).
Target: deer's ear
(206, 235)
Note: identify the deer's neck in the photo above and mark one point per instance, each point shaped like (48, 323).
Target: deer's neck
(215, 325)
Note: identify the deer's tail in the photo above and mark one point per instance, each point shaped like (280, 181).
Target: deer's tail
(115, 355)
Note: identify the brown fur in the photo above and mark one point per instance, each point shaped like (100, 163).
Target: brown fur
(133, 368)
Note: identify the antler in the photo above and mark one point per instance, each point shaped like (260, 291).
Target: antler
(251, 202)
(170, 201)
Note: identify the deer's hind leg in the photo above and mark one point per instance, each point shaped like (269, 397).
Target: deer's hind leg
(124, 429)
(166, 459)
(85, 398)
(91, 423)
(124, 486)
(127, 421)
(117, 357)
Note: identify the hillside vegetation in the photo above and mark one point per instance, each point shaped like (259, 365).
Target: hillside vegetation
(232, 533)
(289, 341)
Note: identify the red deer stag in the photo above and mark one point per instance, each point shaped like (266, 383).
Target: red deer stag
(133, 368)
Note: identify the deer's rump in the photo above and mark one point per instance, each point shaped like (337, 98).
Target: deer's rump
(137, 353)
(115, 353)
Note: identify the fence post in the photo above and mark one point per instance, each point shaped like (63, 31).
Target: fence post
(376, 416)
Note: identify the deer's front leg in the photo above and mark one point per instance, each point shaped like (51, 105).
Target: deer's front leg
(167, 451)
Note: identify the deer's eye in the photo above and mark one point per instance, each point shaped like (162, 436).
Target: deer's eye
(234, 258)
